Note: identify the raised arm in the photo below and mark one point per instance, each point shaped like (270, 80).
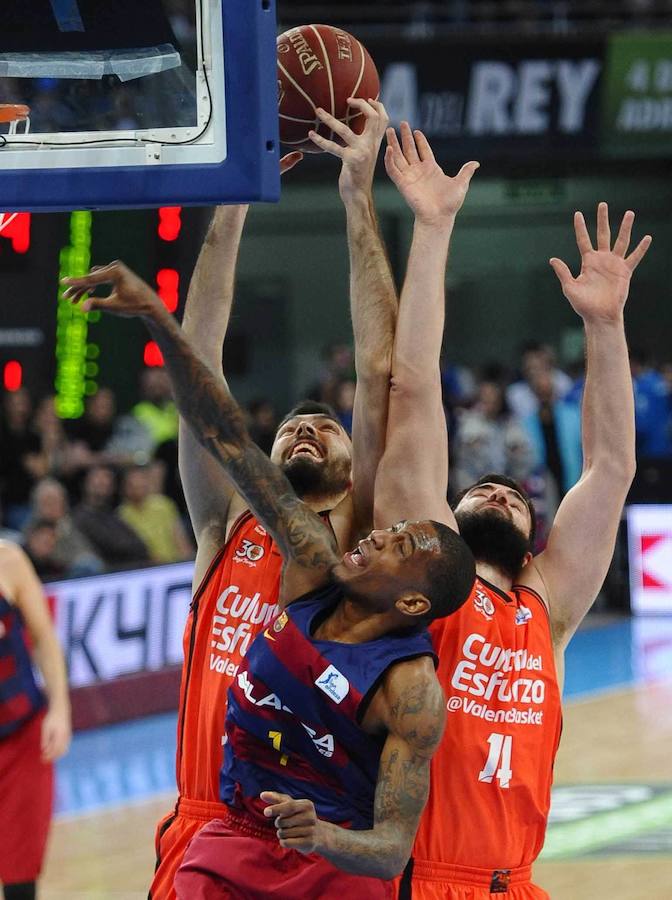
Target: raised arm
(572, 568)
(411, 707)
(412, 479)
(373, 298)
(218, 424)
(207, 490)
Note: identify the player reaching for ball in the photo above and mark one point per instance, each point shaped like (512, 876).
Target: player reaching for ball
(237, 572)
(501, 656)
(336, 701)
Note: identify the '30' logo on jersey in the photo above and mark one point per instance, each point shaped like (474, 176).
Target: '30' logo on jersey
(248, 551)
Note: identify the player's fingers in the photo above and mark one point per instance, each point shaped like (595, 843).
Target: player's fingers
(467, 171)
(365, 107)
(295, 834)
(582, 237)
(395, 146)
(338, 127)
(100, 275)
(639, 252)
(603, 230)
(93, 303)
(561, 269)
(390, 165)
(422, 146)
(299, 818)
(326, 145)
(289, 160)
(624, 234)
(408, 144)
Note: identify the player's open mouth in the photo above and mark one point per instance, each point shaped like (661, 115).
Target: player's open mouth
(355, 559)
(306, 448)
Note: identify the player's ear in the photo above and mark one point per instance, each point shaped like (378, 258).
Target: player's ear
(413, 603)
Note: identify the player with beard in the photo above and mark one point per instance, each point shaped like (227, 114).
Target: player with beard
(237, 570)
(501, 657)
(337, 701)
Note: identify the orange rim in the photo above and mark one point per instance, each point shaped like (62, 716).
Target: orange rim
(13, 112)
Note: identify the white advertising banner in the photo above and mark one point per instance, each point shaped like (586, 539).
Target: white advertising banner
(122, 624)
(650, 557)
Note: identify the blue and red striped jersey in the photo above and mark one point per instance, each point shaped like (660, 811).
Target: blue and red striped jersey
(293, 723)
(20, 697)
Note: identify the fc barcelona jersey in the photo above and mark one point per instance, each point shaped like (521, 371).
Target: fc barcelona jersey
(20, 697)
(294, 716)
(491, 775)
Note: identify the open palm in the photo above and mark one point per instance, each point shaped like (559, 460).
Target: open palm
(432, 195)
(601, 288)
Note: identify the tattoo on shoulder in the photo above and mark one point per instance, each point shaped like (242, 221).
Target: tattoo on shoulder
(418, 714)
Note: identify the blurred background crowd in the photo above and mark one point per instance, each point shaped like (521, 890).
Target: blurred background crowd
(102, 492)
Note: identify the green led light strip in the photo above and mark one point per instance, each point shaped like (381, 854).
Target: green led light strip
(76, 366)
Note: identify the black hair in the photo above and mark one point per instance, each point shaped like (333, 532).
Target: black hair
(311, 408)
(494, 478)
(450, 576)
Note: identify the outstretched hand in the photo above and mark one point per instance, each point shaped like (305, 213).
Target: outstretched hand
(289, 160)
(600, 290)
(130, 295)
(357, 152)
(433, 196)
(295, 821)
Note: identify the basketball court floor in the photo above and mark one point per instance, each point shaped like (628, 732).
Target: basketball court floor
(610, 836)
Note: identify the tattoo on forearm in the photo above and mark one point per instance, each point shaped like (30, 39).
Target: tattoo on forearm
(218, 424)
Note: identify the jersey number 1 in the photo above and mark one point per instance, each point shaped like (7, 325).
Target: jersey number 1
(500, 754)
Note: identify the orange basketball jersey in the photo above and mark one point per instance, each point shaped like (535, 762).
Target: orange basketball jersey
(491, 776)
(235, 601)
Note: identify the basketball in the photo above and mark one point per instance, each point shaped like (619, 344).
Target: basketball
(321, 66)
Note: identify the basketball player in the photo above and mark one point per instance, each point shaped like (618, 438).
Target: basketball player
(337, 699)
(237, 573)
(501, 656)
(34, 728)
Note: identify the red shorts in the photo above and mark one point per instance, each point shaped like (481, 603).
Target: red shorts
(26, 797)
(438, 881)
(173, 834)
(236, 859)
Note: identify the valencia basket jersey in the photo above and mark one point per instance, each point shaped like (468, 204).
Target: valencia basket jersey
(235, 601)
(491, 775)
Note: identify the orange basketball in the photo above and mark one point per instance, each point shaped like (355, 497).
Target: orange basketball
(321, 66)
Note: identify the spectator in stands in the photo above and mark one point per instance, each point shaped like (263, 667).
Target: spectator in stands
(338, 363)
(345, 401)
(536, 358)
(40, 546)
(263, 423)
(652, 408)
(154, 518)
(490, 439)
(95, 428)
(554, 431)
(157, 411)
(72, 552)
(55, 448)
(114, 541)
(21, 462)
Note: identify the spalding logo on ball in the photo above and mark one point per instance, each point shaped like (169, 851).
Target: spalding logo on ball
(321, 66)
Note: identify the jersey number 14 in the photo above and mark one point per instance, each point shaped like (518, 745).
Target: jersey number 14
(498, 763)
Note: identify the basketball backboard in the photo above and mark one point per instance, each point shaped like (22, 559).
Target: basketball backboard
(138, 103)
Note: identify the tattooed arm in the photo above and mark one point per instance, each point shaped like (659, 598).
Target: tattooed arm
(217, 422)
(411, 706)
